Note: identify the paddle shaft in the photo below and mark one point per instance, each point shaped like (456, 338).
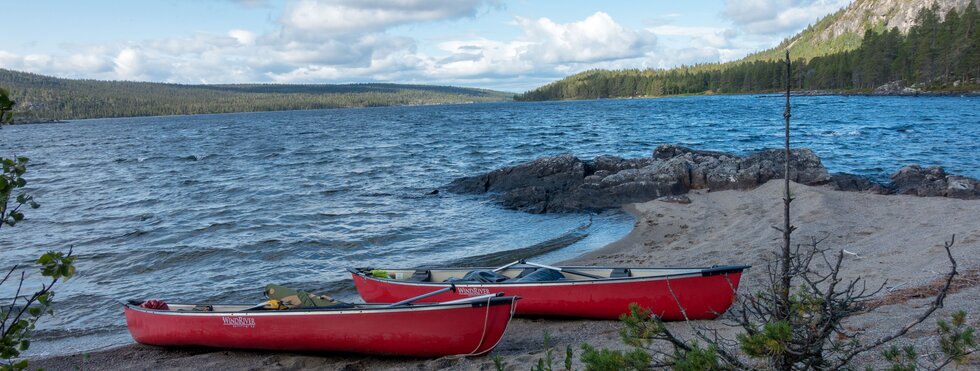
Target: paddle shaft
(508, 265)
(423, 296)
(257, 306)
(475, 298)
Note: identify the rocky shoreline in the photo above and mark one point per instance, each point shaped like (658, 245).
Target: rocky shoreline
(568, 184)
(896, 240)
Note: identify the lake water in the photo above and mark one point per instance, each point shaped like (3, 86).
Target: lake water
(213, 207)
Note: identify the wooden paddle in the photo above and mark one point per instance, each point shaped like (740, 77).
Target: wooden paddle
(257, 306)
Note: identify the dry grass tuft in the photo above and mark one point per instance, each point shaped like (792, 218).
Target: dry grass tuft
(967, 279)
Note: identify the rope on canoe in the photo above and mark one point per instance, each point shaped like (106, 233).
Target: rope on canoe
(486, 321)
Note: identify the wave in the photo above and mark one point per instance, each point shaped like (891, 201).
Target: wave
(835, 133)
(197, 157)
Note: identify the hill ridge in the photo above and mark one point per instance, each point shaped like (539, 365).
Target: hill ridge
(42, 98)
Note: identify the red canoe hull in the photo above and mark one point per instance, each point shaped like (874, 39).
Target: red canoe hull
(423, 331)
(701, 296)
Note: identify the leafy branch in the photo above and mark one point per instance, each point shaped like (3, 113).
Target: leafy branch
(19, 317)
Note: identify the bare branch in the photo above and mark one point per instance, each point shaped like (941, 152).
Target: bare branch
(679, 305)
(10, 309)
(949, 360)
(936, 304)
(8, 274)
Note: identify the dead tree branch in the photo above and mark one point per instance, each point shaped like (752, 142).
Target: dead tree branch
(936, 304)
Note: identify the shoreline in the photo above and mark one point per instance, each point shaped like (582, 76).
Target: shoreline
(715, 228)
(796, 93)
(763, 94)
(71, 120)
(566, 183)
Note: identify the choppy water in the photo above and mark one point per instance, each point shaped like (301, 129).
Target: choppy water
(212, 207)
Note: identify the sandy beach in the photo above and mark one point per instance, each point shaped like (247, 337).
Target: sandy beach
(890, 238)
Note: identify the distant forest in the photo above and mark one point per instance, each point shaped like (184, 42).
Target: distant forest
(45, 98)
(936, 55)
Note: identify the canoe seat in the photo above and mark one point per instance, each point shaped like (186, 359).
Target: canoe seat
(421, 275)
(620, 272)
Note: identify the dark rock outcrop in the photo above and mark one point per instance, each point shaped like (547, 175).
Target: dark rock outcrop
(566, 183)
(856, 183)
(932, 182)
(546, 172)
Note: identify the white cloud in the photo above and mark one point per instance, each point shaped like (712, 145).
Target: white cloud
(596, 38)
(331, 18)
(37, 59)
(393, 66)
(11, 60)
(546, 48)
(192, 45)
(88, 63)
(340, 41)
(243, 37)
(481, 57)
(715, 37)
(129, 64)
(777, 17)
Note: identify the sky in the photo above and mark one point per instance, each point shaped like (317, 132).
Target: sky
(509, 45)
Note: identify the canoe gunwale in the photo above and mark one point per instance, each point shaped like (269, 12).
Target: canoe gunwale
(701, 272)
(364, 309)
(723, 269)
(704, 292)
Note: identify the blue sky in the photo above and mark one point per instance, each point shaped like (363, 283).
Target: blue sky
(511, 45)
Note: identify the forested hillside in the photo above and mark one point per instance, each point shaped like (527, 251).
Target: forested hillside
(937, 53)
(843, 30)
(45, 98)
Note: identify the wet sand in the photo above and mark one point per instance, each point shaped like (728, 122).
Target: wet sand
(892, 239)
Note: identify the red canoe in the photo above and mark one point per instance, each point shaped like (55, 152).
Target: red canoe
(426, 330)
(703, 293)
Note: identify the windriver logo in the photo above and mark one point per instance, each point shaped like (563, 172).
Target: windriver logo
(239, 322)
(472, 291)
